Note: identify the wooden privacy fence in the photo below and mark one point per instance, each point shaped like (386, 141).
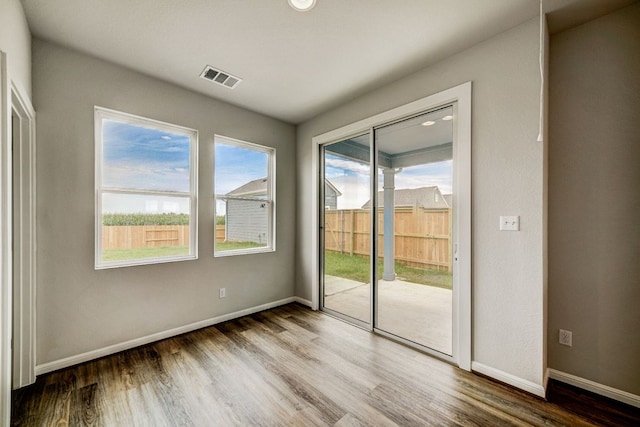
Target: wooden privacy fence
(221, 233)
(144, 236)
(422, 236)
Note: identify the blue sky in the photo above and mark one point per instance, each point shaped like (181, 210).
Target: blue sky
(235, 166)
(137, 157)
(141, 158)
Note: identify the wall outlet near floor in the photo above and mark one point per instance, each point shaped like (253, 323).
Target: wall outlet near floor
(565, 337)
(223, 292)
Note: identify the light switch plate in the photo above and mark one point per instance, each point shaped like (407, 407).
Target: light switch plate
(510, 223)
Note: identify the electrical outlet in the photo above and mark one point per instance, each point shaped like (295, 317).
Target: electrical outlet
(565, 337)
(510, 223)
(223, 292)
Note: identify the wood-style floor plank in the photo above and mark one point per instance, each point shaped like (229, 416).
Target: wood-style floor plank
(292, 366)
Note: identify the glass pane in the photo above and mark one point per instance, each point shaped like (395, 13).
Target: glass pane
(240, 171)
(347, 218)
(245, 224)
(143, 226)
(414, 217)
(144, 158)
(243, 198)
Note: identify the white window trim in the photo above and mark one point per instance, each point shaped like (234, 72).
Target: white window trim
(101, 113)
(271, 196)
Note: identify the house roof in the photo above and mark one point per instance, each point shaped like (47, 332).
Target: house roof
(332, 187)
(251, 188)
(259, 186)
(426, 197)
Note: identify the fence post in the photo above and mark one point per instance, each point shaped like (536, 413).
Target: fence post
(449, 241)
(351, 231)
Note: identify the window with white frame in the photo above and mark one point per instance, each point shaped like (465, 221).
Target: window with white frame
(244, 187)
(146, 190)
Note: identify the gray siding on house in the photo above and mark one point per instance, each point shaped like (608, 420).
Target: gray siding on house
(248, 221)
(330, 198)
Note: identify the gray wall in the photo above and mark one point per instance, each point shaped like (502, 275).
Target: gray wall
(508, 165)
(80, 309)
(15, 41)
(594, 200)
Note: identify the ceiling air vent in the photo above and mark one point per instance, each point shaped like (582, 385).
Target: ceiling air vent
(221, 77)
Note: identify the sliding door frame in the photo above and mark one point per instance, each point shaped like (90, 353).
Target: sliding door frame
(460, 97)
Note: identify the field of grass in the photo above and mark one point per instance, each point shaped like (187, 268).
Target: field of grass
(356, 267)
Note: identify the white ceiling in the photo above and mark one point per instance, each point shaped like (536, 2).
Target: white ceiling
(294, 65)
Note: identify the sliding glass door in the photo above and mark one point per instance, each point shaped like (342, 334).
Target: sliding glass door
(386, 218)
(413, 217)
(345, 229)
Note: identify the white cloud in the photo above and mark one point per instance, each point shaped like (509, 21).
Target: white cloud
(347, 165)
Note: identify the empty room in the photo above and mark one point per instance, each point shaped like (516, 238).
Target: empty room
(319, 212)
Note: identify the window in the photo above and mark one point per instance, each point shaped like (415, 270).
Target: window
(244, 187)
(146, 191)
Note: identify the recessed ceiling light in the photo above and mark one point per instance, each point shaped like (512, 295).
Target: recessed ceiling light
(447, 118)
(302, 5)
(428, 123)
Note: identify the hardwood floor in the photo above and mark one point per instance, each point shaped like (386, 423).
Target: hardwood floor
(286, 366)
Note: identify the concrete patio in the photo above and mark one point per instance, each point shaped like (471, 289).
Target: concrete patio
(419, 313)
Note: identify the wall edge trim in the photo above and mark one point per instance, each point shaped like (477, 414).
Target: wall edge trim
(510, 379)
(592, 386)
(136, 342)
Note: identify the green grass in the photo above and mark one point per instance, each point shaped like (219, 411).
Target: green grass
(140, 253)
(230, 246)
(356, 267)
(167, 251)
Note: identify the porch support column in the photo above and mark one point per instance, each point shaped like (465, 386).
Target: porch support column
(389, 272)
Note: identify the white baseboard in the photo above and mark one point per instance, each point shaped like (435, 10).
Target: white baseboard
(115, 348)
(506, 378)
(592, 386)
(304, 301)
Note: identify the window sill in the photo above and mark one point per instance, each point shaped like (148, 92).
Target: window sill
(144, 261)
(234, 252)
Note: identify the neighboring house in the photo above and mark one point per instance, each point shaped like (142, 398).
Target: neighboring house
(424, 197)
(247, 220)
(449, 199)
(247, 216)
(331, 195)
